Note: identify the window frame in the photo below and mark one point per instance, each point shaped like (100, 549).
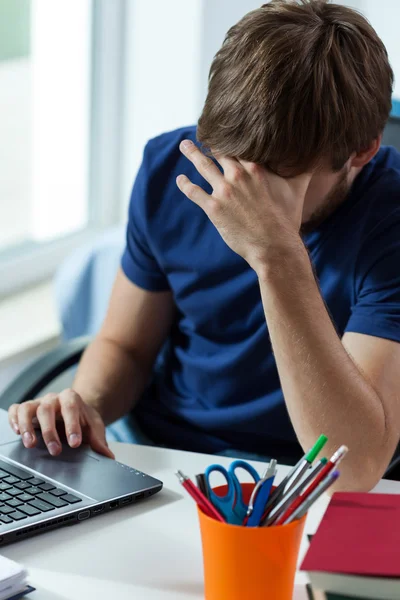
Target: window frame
(29, 263)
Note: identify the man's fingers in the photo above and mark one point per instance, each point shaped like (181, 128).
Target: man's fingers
(97, 438)
(25, 413)
(13, 417)
(71, 406)
(233, 169)
(204, 165)
(46, 415)
(192, 191)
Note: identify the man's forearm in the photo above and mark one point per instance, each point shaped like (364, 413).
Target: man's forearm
(110, 379)
(324, 390)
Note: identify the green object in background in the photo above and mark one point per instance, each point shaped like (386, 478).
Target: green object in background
(15, 29)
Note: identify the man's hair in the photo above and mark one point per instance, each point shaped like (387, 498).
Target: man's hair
(296, 83)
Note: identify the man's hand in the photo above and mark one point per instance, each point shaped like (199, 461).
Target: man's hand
(81, 421)
(255, 211)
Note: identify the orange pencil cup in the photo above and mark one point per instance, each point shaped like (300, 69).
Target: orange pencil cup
(246, 563)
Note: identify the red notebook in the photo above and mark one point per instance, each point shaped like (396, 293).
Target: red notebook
(359, 535)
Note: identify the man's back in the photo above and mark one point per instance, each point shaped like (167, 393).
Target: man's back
(219, 386)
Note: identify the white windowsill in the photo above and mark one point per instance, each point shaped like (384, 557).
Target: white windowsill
(28, 321)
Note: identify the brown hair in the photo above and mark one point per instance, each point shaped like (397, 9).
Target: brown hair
(297, 82)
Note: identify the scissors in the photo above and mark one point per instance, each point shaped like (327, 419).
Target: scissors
(231, 506)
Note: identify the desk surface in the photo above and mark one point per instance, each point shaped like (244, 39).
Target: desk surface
(150, 551)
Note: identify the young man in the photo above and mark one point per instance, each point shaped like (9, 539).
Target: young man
(276, 280)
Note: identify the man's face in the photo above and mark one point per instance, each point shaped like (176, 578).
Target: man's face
(326, 191)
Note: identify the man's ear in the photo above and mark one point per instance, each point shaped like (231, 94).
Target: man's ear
(362, 158)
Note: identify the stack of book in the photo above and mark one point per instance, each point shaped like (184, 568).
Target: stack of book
(13, 584)
(355, 554)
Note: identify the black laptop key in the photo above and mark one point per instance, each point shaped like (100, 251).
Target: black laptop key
(57, 502)
(5, 510)
(14, 491)
(46, 487)
(35, 481)
(13, 470)
(33, 490)
(31, 511)
(3, 474)
(4, 486)
(58, 492)
(11, 479)
(14, 502)
(25, 497)
(71, 499)
(22, 485)
(17, 515)
(42, 506)
(5, 519)
(4, 496)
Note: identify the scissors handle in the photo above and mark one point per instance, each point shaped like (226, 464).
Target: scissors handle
(224, 504)
(240, 506)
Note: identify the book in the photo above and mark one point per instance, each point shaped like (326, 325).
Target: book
(13, 577)
(314, 594)
(356, 548)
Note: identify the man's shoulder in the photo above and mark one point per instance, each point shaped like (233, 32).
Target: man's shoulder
(378, 185)
(384, 171)
(166, 145)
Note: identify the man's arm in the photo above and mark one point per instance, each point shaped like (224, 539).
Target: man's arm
(352, 399)
(111, 377)
(116, 367)
(259, 215)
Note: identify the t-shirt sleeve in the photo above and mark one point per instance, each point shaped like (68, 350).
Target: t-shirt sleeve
(138, 261)
(376, 310)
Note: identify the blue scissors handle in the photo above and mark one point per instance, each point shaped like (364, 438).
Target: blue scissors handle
(224, 503)
(240, 506)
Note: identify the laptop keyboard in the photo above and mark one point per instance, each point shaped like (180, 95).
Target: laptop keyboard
(23, 496)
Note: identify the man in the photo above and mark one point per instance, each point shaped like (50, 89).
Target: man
(276, 280)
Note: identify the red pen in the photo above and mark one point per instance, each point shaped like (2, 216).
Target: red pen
(206, 506)
(332, 462)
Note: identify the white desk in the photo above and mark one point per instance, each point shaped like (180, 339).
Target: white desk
(148, 551)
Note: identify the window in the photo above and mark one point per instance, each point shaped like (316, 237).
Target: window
(59, 102)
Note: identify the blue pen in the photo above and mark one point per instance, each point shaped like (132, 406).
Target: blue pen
(262, 492)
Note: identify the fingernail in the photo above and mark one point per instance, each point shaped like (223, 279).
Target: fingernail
(27, 438)
(53, 448)
(74, 439)
(15, 426)
(186, 144)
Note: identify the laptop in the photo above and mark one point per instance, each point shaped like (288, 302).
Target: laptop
(40, 492)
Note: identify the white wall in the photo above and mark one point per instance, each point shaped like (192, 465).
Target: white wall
(170, 46)
(385, 18)
(162, 73)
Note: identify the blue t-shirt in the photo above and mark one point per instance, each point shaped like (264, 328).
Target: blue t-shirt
(219, 386)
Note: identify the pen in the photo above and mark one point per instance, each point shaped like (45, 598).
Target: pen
(306, 462)
(287, 498)
(303, 463)
(207, 507)
(270, 471)
(333, 462)
(259, 499)
(304, 507)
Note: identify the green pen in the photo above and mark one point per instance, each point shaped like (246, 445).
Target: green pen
(307, 461)
(296, 473)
